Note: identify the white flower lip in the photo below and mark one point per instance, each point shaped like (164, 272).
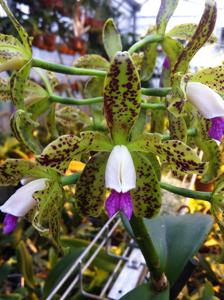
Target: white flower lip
(209, 103)
(21, 202)
(120, 172)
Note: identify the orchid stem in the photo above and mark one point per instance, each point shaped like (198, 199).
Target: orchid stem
(153, 38)
(58, 68)
(90, 101)
(142, 237)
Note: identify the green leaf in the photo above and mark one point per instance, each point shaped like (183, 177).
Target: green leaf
(180, 157)
(177, 127)
(47, 213)
(172, 48)
(122, 97)
(26, 40)
(90, 189)
(186, 31)
(166, 10)
(146, 292)
(58, 154)
(18, 83)
(23, 127)
(92, 61)
(208, 292)
(111, 39)
(13, 170)
(145, 142)
(12, 53)
(5, 93)
(146, 196)
(199, 38)
(177, 239)
(149, 61)
(60, 269)
(212, 77)
(25, 263)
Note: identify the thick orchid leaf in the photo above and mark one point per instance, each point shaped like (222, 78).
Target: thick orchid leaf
(90, 188)
(177, 127)
(58, 154)
(146, 291)
(146, 196)
(23, 128)
(145, 142)
(18, 84)
(92, 61)
(212, 154)
(172, 48)
(122, 97)
(26, 40)
(185, 32)
(13, 170)
(177, 239)
(181, 158)
(25, 264)
(111, 39)
(96, 141)
(48, 210)
(199, 38)
(148, 61)
(212, 77)
(5, 94)
(166, 10)
(12, 53)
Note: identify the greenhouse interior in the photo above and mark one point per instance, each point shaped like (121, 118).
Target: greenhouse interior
(112, 149)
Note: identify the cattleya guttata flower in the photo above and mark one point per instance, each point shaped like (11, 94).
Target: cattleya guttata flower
(124, 163)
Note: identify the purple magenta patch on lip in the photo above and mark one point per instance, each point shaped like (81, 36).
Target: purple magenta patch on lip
(217, 128)
(119, 202)
(9, 223)
(166, 63)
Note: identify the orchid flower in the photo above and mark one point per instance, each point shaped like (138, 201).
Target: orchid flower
(20, 203)
(120, 164)
(211, 106)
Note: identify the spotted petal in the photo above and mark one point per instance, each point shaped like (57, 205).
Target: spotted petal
(122, 97)
(90, 188)
(146, 196)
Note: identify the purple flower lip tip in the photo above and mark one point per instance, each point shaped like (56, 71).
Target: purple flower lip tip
(119, 202)
(9, 223)
(216, 130)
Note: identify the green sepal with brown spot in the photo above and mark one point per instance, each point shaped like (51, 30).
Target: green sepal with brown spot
(145, 143)
(90, 188)
(181, 158)
(166, 11)
(172, 48)
(185, 32)
(12, 53)
(13, 170)
(23, 128)
(96, 141)
(157, 114)
(26, 40)
(92, 61)
(5, 93)
(148, 61)
(58, 154)
(47, 213)
(217, 204)
(212, 77)
(111, 38)
(146, 196)
(122, 97)
(18, 83)
(178, 128)
(199, 38)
